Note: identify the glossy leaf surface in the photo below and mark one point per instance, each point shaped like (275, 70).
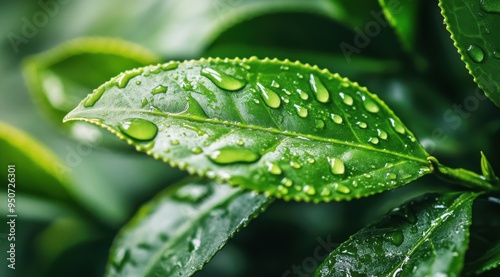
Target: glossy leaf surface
(402, 16)
(424, 237)
(55, 77)
(182, 228)
(473, 26)
(287, 129)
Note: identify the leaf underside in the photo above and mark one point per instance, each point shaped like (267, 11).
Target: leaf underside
(473, 26)
(424, 237)
(284, 128)
(182, 228)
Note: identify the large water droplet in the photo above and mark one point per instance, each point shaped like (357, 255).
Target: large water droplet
(397, 126)
(270, 97)
(123, 79)
(475, 53)
(394, 237)
(491, 6)
(496, 54)
(274, 168)
(159, 89)
(301, 111)
(347, 99)
(320, 91)
(139, 129)
(223, 80)
(230, 155)
(303, 95)
(382, 134)
(94, 97)
(369, 104)
(336, 165)
(336, 118)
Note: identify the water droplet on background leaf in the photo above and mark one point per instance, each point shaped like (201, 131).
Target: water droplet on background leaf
(270, 97)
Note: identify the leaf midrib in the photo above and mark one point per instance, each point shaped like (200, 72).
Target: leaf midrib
(258, 128)
(431, 230)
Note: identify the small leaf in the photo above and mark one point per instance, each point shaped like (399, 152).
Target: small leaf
(490, 260)
(424, 237)
(287, 129)
(62, 76)
(473, 26)
(402, 16)
(487, 170)
(180, 230)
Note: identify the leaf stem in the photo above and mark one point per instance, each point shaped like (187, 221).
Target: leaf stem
(462, 177)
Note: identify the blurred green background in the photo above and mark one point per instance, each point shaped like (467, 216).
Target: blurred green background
(57, 237)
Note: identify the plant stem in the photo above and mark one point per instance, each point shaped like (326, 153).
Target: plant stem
(462, 177)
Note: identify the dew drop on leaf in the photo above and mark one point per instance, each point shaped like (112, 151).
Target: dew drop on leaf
(490, 6)
(273, 168)
(125, 77)
(159, 89)
(301, 111)
(303, 95)
(343, 189)
(139, 129)
(295, 165)
(362, 125)
(309, 190)
(193, 193)
(496, 54)
(397, 126)
(144, 102)
(373, 140)
(336, 118)
(394, 237)
(370, 105)
(347, 99)
(270, 97)
(196, 150)
(94, 97)
(319, 124)
(475, 53)
(287, 182)
(320, 91)
(230, 155)
(223, 80)
(382, 134)
(336, 166)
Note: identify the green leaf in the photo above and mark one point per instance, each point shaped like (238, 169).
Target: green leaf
(472, 25)
(62, 76)
(402, 15)
(287, 129)
(180, 230)
(37, 171)
(487, 170)
(424, 237)
(490, 260)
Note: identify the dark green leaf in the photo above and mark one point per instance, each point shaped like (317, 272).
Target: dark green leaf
(425, 237)
(182, 228)
(56, 80)
(402, 15)
(487, 170)
(473, 26)
(287, 129)
(490, 260)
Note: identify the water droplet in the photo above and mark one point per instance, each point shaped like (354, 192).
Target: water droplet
(325, 192)
(295, 165)
(397, 126)
(122, 79)
(94, 97)
(275, 84)
(274, 168)
(240, 142)
(287, 182)
(309, 190)
(342, 189)
(319, 89)
(382, 134)
(347, 99)
(336, 118)
(196, 150)
(159, 89)
(193, 193)
(336, 165)
(233, 155)
(120, 258)
(284, 67)
(391, 176)
(223, 80)
(300, 75)
(369, 104)
(139, 129)
(257, 101)
(319, 124)
(361, 124)
(496, 54)
(144, 102)
(475, 53)
(490, 6)
(395, 237)
(303, 95)
(283, 190)
(138, 82)
(301, 111)
(373, 140)
(194, 244)
(310, 160)
(270, 97)
(175, 142)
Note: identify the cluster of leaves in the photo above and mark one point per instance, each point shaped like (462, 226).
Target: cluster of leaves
(256, 131)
